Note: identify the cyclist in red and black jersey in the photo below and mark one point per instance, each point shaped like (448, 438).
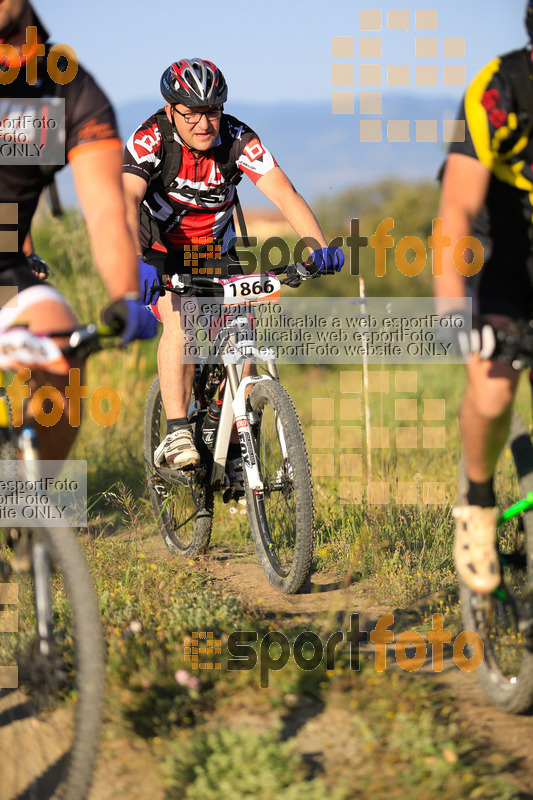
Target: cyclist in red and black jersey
(93, 149)
(487, 190)
(198, 203)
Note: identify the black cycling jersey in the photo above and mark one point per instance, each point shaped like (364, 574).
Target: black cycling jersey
(90, 121)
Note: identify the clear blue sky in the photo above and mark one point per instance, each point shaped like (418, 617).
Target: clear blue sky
(270, 51)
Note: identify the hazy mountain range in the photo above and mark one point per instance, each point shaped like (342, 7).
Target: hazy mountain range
(320, 151)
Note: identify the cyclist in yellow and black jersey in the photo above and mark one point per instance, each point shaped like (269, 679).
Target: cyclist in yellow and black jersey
(498, 113)
(487, 191)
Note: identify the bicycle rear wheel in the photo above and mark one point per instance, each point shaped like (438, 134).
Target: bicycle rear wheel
(51, 708)
(182, 502)
(500, 618)
(282, 516)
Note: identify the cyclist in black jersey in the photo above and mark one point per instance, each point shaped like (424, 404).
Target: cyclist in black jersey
(93, 148)
(487, 190)
(196, 204)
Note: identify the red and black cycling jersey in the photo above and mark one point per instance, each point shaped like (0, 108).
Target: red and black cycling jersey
(90, 122)
(496, 135)
(199, 202)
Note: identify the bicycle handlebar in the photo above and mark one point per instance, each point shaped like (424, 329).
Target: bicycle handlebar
(514, 344)
(89, 339)
(203, 284)
(21, 348)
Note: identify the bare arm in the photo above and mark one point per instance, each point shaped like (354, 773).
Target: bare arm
(464, 189)
(27, 246)
(279, 190)
(97, 177)
(134, 191)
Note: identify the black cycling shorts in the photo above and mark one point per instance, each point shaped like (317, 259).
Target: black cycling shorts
(504, 285)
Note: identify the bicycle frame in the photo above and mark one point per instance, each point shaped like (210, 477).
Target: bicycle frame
(234, 401)
(233, 349)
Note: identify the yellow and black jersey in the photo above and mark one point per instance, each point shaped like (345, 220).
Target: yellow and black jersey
(498, 112)
(497, 109)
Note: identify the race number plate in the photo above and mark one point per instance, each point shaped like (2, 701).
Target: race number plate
(260, 287)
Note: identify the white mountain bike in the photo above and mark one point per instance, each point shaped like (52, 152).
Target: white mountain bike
(277, 477)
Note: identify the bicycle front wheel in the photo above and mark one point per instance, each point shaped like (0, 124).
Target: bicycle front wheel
(501, 618)
(282, 516)
(52, 659)
(183, 504)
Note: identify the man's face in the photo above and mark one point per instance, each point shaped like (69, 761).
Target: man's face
(197, 135)
(11, 12)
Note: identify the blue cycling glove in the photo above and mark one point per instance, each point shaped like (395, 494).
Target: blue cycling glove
(130, 318)
(328, 259)
(147, 275)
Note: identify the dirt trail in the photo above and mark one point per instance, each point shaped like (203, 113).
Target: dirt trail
(320, 731)
(128, 769)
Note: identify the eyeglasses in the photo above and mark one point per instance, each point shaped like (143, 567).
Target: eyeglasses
(195, 117)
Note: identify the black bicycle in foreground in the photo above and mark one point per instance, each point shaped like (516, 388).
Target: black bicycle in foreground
(51, 644)
(504, 618)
